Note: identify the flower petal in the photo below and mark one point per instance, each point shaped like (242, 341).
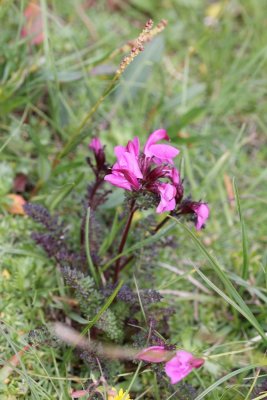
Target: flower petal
(154, 354)
(159, 134)
(133, 146)
(129, 161)
(95, 145)
(167, 197)
(202, 212)
(179, 366)
(164, 152)
(118, 181)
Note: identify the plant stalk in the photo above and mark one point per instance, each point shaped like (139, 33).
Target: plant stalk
(123, 240)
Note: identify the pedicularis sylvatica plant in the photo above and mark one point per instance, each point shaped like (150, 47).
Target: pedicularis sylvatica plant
(102, 274)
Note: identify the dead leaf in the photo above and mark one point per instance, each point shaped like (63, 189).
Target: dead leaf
(5, 274)
(12, 363)
(229, 189)
(214, 10)
(33, 26)
(16, 207)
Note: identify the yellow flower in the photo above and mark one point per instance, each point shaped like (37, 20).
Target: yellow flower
(215, 9)
(114, 395)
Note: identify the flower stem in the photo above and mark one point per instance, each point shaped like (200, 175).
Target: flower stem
(123, 240)
(163, 222)
(158, 227)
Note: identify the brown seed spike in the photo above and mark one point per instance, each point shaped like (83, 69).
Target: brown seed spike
(149, 24)
(137, 45)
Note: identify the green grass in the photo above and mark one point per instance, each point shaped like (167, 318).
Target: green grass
(207, 86)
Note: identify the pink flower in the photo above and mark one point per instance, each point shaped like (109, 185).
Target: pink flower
(153, 171)
(125, 172)
(156, 354)
(167, 197)
(136, 171)
(95, 145)
(181, 365)
(132, 147)
(98, 149)
(202, 212)
(177, 367)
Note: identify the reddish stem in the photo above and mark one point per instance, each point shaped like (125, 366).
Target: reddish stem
(158, 227)
(163, 222)
(123, 241)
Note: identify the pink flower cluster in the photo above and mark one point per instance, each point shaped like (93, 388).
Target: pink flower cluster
(152, 170)
(177, 367)
(136, 171)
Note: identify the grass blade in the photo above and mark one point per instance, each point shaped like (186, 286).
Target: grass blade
(224, 379)
(143, 243)
(87, 249)
(103, 309)
(233, 293)
(244, 234)
(221, 293)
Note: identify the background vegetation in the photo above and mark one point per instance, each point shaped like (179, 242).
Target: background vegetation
(204, 80)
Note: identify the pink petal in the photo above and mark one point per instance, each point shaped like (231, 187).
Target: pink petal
(175, 176)
(164, 206)
(197, 362)
(79, 393)
(202, 212)
(95, 144)
(118, 181)
(133, 146)
(129, 161)
(164, 152)
(167, 197)
(155, 354)
(119, 151)
(160, 134)
(129, 176)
